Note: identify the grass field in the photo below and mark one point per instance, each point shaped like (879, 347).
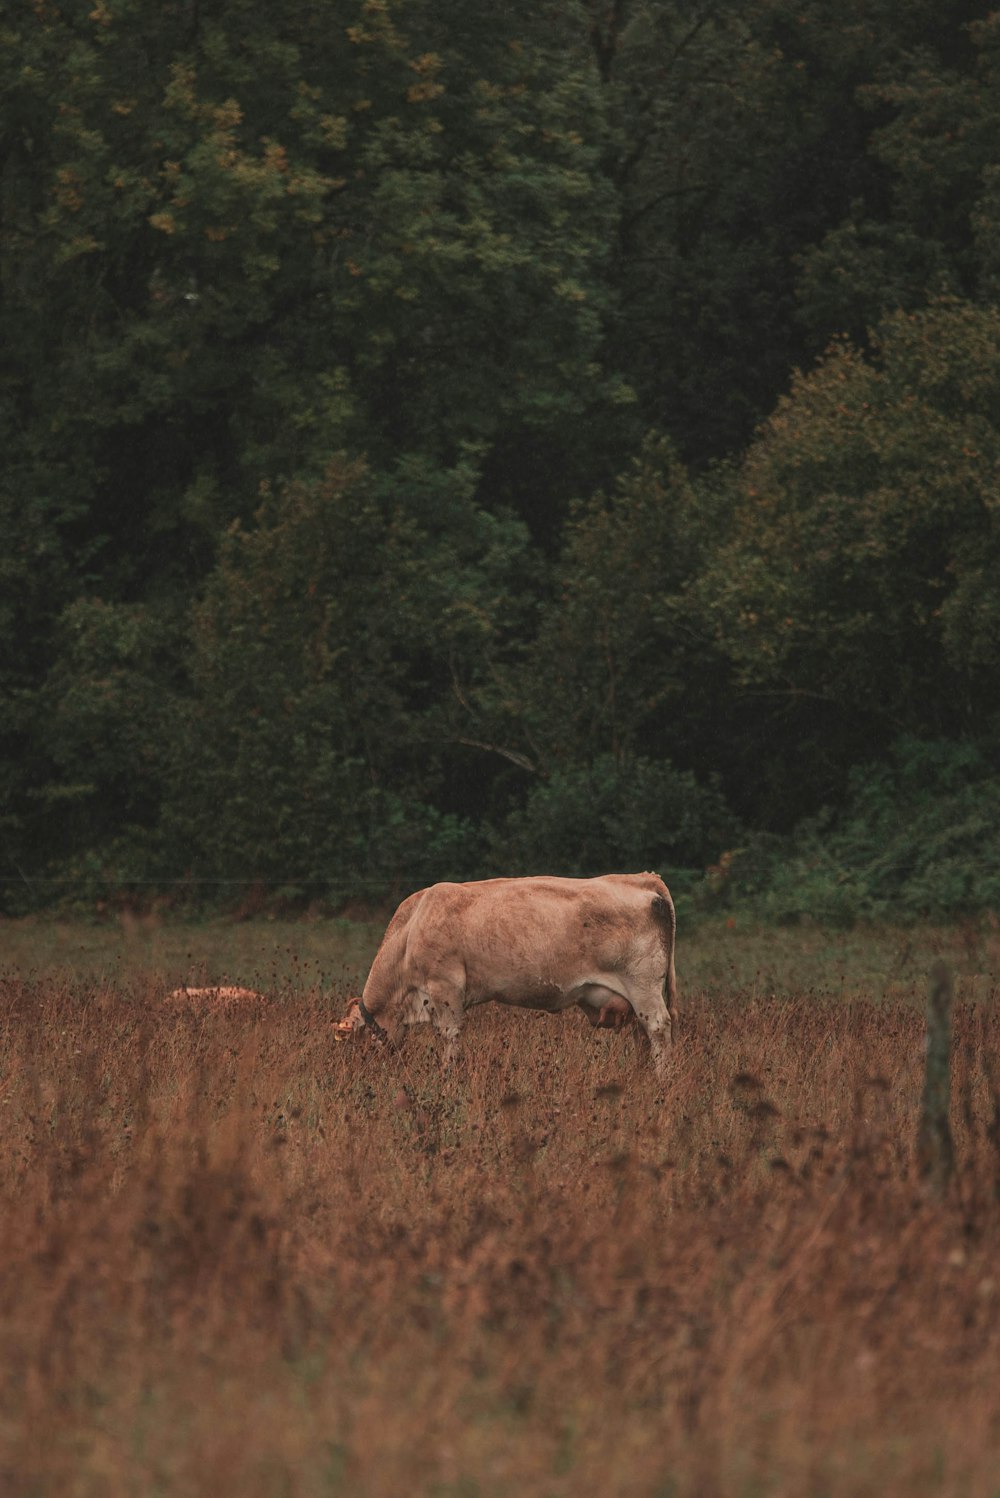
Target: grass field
(236, 1259)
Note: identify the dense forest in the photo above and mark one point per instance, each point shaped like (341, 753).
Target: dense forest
(442, 440)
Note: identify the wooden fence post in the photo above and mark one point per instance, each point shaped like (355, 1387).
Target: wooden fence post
(935, 1152)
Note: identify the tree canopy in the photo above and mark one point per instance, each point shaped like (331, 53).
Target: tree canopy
(424, 429)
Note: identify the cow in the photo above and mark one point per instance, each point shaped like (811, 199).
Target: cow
(606, 944)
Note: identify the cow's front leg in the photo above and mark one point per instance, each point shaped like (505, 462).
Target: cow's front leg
(442, 1004)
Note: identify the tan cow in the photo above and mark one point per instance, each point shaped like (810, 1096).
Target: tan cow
(606, 944)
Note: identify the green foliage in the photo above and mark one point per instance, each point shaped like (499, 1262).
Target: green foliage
(472, 295)
(749, 139)
(336, 662)
(915, 839)
(615, 813)
(861, 570)
(232, 248)
(923, 219)
(543, 273)
(99, 727)
(104, 713)
(620, 665)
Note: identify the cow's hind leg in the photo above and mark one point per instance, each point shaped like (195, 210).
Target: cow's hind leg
(658, 1022)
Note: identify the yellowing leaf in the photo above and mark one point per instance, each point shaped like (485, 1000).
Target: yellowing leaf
(419, 93)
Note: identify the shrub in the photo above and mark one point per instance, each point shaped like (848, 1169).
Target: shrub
(625, 814)
(917, 837)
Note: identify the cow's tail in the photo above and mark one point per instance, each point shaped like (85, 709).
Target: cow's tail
(666, 919)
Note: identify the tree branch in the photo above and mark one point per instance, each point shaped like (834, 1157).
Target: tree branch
(516, 758)
(605, 43)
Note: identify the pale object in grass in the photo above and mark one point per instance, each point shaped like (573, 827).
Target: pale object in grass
(222, 994)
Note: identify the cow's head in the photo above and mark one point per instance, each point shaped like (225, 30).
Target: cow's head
(357, 1019)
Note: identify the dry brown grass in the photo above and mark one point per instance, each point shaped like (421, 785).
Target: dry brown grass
(239, 1260)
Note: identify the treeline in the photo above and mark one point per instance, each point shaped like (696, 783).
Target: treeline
(444, 440)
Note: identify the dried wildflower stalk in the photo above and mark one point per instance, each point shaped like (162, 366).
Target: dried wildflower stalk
(935, 1151)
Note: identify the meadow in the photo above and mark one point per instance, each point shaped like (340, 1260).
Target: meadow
(238, 1259)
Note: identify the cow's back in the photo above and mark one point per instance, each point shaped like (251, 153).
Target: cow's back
(544, 927)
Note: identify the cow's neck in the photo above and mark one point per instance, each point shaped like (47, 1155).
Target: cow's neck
(370, 1021)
